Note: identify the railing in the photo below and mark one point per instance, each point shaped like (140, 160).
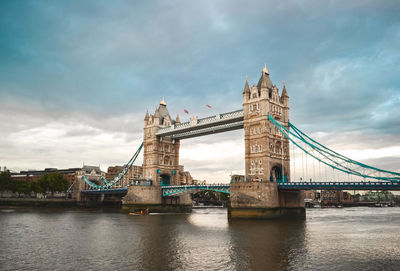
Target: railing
(225, 188)
(340, 185)
(224, 117)
(176, 189)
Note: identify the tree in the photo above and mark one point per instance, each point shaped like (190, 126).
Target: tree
(23, 187)
(43, 183)
(5, 181)
(53, 182)
(35, 188)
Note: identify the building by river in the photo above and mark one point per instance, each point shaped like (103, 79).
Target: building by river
(71, 174)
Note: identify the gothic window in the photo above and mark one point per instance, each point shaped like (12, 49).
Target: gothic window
(254, 95)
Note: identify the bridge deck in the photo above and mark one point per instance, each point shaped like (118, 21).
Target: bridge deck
(339, 186)
(205, 126)
(224, 188)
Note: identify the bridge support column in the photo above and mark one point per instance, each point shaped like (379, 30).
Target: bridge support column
(150, 197)
(263, 200)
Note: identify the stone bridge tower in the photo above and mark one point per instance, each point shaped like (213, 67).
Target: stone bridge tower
(266, 149)
(267, 160)
(160, 154)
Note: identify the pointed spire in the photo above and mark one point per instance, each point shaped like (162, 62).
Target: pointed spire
(147, 114)
(246, 87)
(177, 120)
(156, 114)
(163, 102)
(284, 91)
(265, 81)
(265, 70)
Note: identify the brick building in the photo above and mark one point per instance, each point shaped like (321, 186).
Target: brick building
(93, 173)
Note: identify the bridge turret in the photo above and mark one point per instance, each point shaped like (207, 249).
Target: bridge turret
(246, 91)
(160, 154)
(285, 102)
(266, 157)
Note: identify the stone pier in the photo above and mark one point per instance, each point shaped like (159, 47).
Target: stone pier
(263, 200)
(150, 197)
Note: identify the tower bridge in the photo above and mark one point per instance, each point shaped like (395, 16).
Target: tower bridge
(267, 190)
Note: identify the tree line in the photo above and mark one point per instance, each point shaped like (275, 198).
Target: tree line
(48, 183)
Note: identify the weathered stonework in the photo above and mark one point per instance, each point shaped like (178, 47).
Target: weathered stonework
(142, 195)
(263, 200)
(149, 197)
(266, 150)
(160, 155)
(267, 159)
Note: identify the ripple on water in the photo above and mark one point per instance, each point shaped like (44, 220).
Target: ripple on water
(330, 239)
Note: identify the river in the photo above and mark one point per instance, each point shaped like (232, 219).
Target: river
(330, 239)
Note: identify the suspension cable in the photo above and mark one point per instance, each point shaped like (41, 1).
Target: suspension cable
(336, 165)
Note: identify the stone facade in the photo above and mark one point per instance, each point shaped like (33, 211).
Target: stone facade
(266, 149)
(267, 157)
(161, 154)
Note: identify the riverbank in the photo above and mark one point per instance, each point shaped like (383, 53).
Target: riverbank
(35, 202)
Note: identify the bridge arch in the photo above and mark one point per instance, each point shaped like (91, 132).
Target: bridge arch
(277, 173)
(165, 179)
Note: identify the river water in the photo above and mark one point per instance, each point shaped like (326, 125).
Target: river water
(330, 239)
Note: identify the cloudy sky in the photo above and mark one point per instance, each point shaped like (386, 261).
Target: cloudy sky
(76, 77)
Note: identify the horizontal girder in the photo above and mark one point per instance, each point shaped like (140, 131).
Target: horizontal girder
(121, 190)
(176, 189)
(339, 186)
(210, 130)
(225, 188)
(214, 124)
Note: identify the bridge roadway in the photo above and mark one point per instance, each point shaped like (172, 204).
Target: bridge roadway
(224, 188)
(205, 126)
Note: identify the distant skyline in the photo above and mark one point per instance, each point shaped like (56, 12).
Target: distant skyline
(76, 77)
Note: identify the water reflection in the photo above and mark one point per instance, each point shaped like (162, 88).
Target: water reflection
(265, 243)
(348, 239)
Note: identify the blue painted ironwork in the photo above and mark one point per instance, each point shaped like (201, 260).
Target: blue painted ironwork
(339, 186)
(176, 189)
(119, 177)
(120, 190)
(225, 188)
(333, 159)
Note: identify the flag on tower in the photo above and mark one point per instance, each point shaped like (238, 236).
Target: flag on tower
(184, 110)
(209, 106)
